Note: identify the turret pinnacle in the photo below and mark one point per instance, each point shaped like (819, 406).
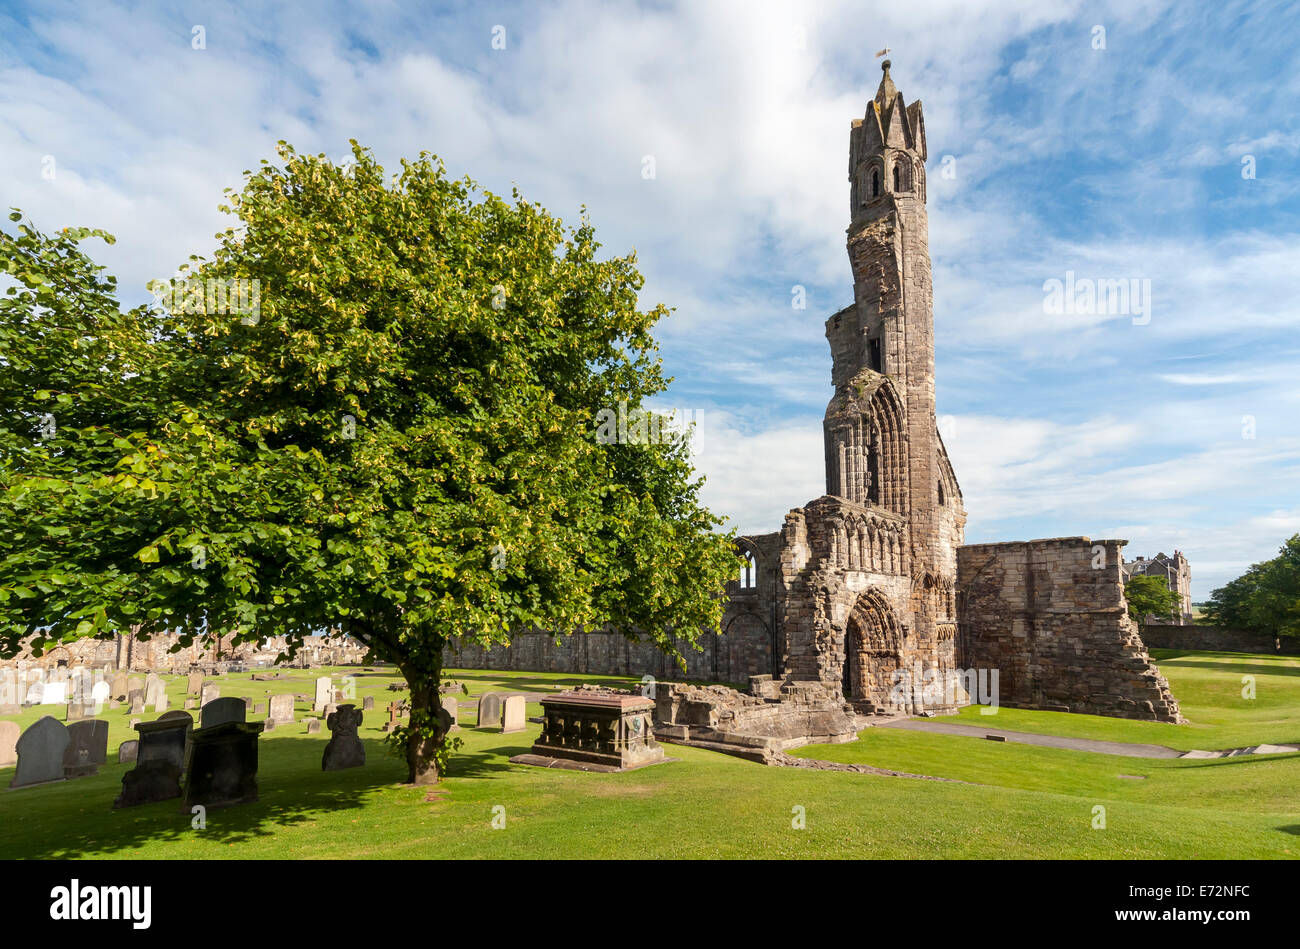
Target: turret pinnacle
(887, 93)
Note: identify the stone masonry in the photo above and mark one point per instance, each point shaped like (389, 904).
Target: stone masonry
(1050, 616)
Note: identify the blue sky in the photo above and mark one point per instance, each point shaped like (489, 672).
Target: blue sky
(1122, 162)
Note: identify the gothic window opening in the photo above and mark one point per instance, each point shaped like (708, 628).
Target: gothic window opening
(941, 500)
(898, 179)
(873, 353)
(875, 184)
(748, 570)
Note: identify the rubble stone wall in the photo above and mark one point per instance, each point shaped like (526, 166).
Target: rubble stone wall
(1050, 616)
(1171, 636)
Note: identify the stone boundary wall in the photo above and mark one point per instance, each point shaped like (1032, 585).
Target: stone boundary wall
(720, 658)
(1050, 616)
(1214, 638)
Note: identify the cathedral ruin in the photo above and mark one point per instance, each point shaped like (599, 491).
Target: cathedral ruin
(867, 595)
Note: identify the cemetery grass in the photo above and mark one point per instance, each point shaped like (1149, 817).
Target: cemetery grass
(1208, 687)
(1022, 801)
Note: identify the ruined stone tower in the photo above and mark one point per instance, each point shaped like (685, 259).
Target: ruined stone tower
(868, 570)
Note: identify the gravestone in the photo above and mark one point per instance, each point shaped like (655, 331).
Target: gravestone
(194, 684)
(329, 709)
(191, 703)
(514, 718)
(155, 693)
(118, 688)
(248, 705)
(269, 725)
(54, 693)
(280, 709)
(368, 703)
(87, 748)
(221, 711)
(313, 726)
(324, 694)
(40, 753)
(394, 713)
(259, 708)
(137, 701)
(76, 711)
(489, 710)
(10, 709)
(209, 693)
(223, 765)
(134, 683)
(451, 707)
(100, 693)
(344, 749)
(9, 732)
(160, 759)
(128, 751)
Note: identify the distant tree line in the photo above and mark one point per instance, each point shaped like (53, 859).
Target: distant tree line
(1264, 599)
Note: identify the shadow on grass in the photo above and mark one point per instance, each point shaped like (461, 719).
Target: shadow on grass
(76, 819)
(1233, 667)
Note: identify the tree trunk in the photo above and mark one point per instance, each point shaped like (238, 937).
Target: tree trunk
(426, 735)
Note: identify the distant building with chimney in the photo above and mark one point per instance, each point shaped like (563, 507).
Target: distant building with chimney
(1177, 573)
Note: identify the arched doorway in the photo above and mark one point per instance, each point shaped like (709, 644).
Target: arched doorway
(873, 646)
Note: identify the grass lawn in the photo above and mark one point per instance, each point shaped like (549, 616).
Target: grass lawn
(1022, 801)
(1208, 687)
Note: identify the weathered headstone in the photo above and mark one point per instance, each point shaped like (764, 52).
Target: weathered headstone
(269, 725)
(118, 688)
(489, 710)
(100, 693)
(209, 693)
(223, 765)
(368, 703)
(87, 748)
(155, 692)
(191, 703)
(9, 732)
(160, 759)
(313, 726)
(451, 707)
(221, 711)
(280, 708)
(248, 705)
(40, 753)
(324, 694)
(514, 717)
(194, 684)
(344, 749)
(134, 683)
(128, 751)
(137, 701)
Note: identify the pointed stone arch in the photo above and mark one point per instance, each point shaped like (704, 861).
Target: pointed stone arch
(873, 651)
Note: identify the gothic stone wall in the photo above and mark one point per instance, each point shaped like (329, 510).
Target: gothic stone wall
(725, 658)
(1050, 616)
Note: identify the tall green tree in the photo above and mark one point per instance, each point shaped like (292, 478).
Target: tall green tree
(1265, 599)
(1150, 596)
(398, 439)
